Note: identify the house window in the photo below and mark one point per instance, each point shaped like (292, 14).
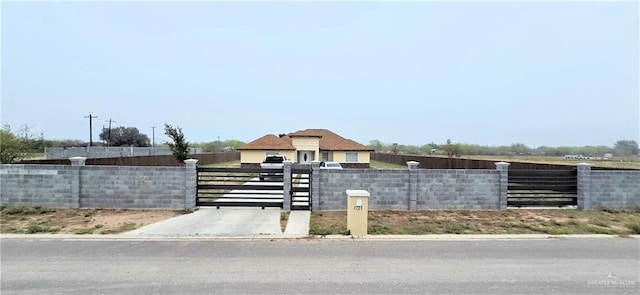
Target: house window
(272, 153)
(325, 156)
(352, 157)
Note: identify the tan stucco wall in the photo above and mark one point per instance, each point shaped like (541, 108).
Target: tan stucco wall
(258, 156)
(307, 144)
(337, 156)
(341, 157)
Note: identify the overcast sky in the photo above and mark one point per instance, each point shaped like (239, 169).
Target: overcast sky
(490, 73)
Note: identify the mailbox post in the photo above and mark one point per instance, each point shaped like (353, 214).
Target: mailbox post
(357, 212)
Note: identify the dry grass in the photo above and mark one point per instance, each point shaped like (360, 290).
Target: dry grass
(483, 222)
(77, 221)
(232, 164)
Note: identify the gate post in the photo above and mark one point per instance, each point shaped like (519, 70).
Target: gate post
(286, 186)
(584, 186)
(314, 190)
(76, 165)
(190, 184)
(413, 184)
(503, 168)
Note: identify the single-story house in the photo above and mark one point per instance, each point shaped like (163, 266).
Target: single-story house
(305, 146)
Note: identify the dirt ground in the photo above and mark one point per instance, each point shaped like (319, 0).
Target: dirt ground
(77, 221)
(33, 220)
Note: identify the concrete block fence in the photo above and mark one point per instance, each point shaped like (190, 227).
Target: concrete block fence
(431, 189)
(612, 189)
(412, 189)
(96, 152)
(82, 186)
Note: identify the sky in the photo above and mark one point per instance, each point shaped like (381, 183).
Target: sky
(489, 73)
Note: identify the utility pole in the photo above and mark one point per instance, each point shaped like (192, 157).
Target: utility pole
(109, 136)
(153, 136)
(90, 127)
(104, 142)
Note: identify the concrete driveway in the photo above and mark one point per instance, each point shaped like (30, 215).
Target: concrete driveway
(231, 222)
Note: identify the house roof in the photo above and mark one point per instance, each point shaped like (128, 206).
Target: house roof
(269, 142)
(330, 141)
(349, 145)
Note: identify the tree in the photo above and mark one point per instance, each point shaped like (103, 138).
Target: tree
(377, 145)
(124, 136)
(520, 149)
(625, 148)
(12, 147)
(452, 149)
(394, 148)
(179, 147)
(233, 143)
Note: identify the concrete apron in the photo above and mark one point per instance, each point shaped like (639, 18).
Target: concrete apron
(209, 221)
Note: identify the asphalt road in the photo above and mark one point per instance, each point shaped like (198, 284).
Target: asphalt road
(563, 266)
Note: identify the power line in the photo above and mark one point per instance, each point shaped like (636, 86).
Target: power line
(90, 116)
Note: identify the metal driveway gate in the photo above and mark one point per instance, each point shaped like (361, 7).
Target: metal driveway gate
(239, 187)
(542, 188)
(301, 188)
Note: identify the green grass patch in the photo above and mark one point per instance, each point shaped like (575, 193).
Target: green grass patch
(124, 227)
(284, 218)
(322, 224)
(24, 210)
(232, 164)
(37, 228)
(633, 224)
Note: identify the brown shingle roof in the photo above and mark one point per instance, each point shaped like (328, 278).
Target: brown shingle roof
(269, 142)
(349, 145)
(330, 141)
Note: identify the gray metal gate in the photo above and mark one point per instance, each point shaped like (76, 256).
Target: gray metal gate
(301, 188)
(239, 187)
(542, 188)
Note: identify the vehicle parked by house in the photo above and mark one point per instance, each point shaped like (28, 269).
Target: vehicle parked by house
(272, 162)
(330, 165)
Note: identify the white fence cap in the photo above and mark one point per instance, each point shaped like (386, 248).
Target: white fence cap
(357, 193)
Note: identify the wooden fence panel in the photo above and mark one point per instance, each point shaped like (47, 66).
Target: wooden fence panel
(431, 162)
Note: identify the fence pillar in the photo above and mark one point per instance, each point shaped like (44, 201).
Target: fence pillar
(286, 186)
(413, 184)
(190, 184)
(315, 185)
(76, 165)
(503, 167)
(584, 186)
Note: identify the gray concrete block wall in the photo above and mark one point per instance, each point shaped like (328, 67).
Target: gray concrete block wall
(108, 152)
(392, 189)
(615, 189)
(36, 185)
(132, 187)
(389, 188)
(458, 189)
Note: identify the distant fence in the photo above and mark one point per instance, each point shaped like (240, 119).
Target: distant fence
(164, 160)
(91, 152)
(430, 162)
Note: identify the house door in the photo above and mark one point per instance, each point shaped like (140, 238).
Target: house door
(305, 157)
